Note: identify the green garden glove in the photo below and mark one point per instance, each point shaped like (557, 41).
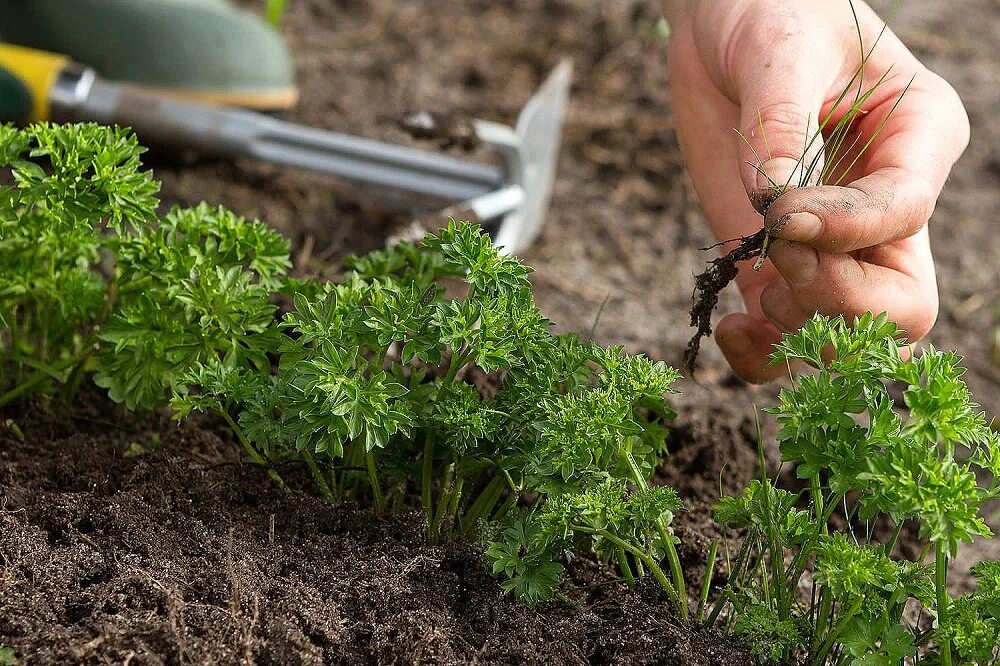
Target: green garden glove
(197, 49)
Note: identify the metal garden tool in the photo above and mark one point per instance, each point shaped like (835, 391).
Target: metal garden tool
(42, 86)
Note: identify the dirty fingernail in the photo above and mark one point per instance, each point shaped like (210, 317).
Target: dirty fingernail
(798, 263)
(802, 227)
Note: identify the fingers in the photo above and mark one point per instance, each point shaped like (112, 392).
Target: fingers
(779, 304)
(896, 279)
(747, 340)
(885, 206)
(747, 343)
(800, 281)
(781, 73)
(906, 166)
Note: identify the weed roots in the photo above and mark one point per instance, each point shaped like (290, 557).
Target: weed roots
(722, 271)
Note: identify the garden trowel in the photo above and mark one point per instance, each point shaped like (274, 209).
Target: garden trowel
(36, 85)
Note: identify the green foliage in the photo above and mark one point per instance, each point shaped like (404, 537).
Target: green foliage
(933, 464)
(767, 637)
(70, 184)
(428, 378)
(973, 621)
(7, 656)
(427, 367)
(523, 553)
(628, 526)
(194, 290)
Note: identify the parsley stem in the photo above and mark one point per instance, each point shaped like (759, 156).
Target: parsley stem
(836, 630)
(458, 361)
(318, 474)
(891, 543)
(823, 614)
(456, 498)
(798, 565)
(817, 496)
(443, 501)
(673, 560)
(676, 571)
(734, 575)
(40, 376)
(624, 566)
(484, 503)
(75, 376)
(254, 454)
(15, 339)
(640, 555)
(941, 591)
(377, 498)
(706, 583)
(427, 480)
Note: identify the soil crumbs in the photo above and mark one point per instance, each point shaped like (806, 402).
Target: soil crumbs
(143, 544)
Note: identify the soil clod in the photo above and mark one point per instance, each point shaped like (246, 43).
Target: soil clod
(723, 270)
(708, 285)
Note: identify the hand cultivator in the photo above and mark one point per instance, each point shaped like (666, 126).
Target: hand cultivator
(37, 85)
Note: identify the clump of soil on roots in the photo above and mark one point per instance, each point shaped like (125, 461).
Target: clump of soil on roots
(709, 284)
(723, 270)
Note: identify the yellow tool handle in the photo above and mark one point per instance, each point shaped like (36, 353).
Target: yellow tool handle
(26, 78)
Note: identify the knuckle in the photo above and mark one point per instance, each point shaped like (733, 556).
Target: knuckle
(952, 108)
(917, 204)
(950, 111)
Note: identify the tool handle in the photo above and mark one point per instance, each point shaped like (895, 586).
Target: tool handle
(26, 78)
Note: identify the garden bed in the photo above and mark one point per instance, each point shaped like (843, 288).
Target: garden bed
(181, 554)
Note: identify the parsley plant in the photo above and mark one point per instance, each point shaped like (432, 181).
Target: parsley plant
(874, 463)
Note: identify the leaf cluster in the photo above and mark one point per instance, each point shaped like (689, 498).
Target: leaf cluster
(69, 185)
(427, 376)
(930, 462)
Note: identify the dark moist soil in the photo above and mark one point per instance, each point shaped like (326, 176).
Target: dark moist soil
(171, 557)
(178, 554)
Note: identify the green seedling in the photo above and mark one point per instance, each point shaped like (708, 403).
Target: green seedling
(877, 467)
(71, 186)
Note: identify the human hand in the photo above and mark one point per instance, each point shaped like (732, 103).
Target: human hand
(774, 69)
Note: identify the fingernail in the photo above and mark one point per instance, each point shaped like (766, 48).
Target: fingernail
(802, 227)
(737, 343)
(798, 263)
(781, 171)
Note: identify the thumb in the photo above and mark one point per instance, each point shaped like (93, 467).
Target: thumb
(778, 141)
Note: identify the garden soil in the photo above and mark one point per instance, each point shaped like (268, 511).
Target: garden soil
(140, 541)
